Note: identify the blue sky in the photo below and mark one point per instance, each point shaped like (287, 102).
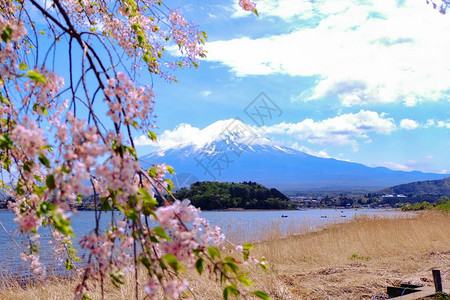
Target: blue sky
(363, 81)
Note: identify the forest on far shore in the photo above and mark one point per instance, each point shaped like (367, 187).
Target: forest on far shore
(209, 195)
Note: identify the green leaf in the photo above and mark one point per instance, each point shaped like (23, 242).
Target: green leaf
(60, 223)
(170, 170)
(69, 264)
(261, 295)
(146, 262)
(27, 165)
(173, 262)
(47, 147)
(3, 99)
(262, 264)
(146, 197)
(246, 250)
(64, 169)
(42, 108)
(79, 198)
(44, 160)
(132, 151)
(35, 76)
(247, 246)
(6, 34)
(50, 181)
(230, 263)
(151, 135)
(46, 207)
(213, 252)
(117, 278)
(39, 190)
(86, 296)
(159, 231)
(23, 66)
(230, 290)
(170, 184)
(199, 265)
(152, 172)
(245, 280)
(5, 141)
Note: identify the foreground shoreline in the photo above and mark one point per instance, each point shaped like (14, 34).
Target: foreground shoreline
(353, 260)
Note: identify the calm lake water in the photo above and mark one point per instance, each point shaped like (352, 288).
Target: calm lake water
(239, 226)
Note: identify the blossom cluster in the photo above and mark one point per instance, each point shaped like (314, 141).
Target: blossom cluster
(188, 233)
(29, 136)
(111, 250)
(57, 148)
(182, 35)
(43, 90)
(138, 34)
(128, 103)
(247, 5)
(35, 264)
(12, 31)
(117, 175)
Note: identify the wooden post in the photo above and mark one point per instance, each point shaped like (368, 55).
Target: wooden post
(437, 280)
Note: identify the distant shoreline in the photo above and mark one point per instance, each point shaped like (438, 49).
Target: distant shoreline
(261, 209)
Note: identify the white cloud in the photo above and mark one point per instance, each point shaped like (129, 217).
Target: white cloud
(143, 140)
(393, 166)
(341, 130)
(437, 123)
(170, 138)
(430, 123)
(361, 53)
(408, 124)
(424, 165)
(205, 93)
(443, 124)
(321, 153)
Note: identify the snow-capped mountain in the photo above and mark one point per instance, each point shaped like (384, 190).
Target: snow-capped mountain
(230, 150)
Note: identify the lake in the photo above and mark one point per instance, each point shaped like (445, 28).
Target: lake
(239, 226)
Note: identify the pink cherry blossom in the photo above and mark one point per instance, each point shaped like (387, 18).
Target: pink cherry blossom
(72, 135)
(247, 5)
(28, 222)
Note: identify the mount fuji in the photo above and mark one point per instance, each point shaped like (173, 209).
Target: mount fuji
(230, 150)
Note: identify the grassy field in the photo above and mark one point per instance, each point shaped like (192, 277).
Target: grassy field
(354, 260)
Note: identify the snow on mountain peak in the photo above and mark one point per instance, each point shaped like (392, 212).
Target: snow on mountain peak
(235, 130)
(231, 131)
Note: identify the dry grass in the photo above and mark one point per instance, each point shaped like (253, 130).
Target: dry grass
(355, 260)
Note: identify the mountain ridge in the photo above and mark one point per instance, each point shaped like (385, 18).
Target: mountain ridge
(233, 151)
(439, 187)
